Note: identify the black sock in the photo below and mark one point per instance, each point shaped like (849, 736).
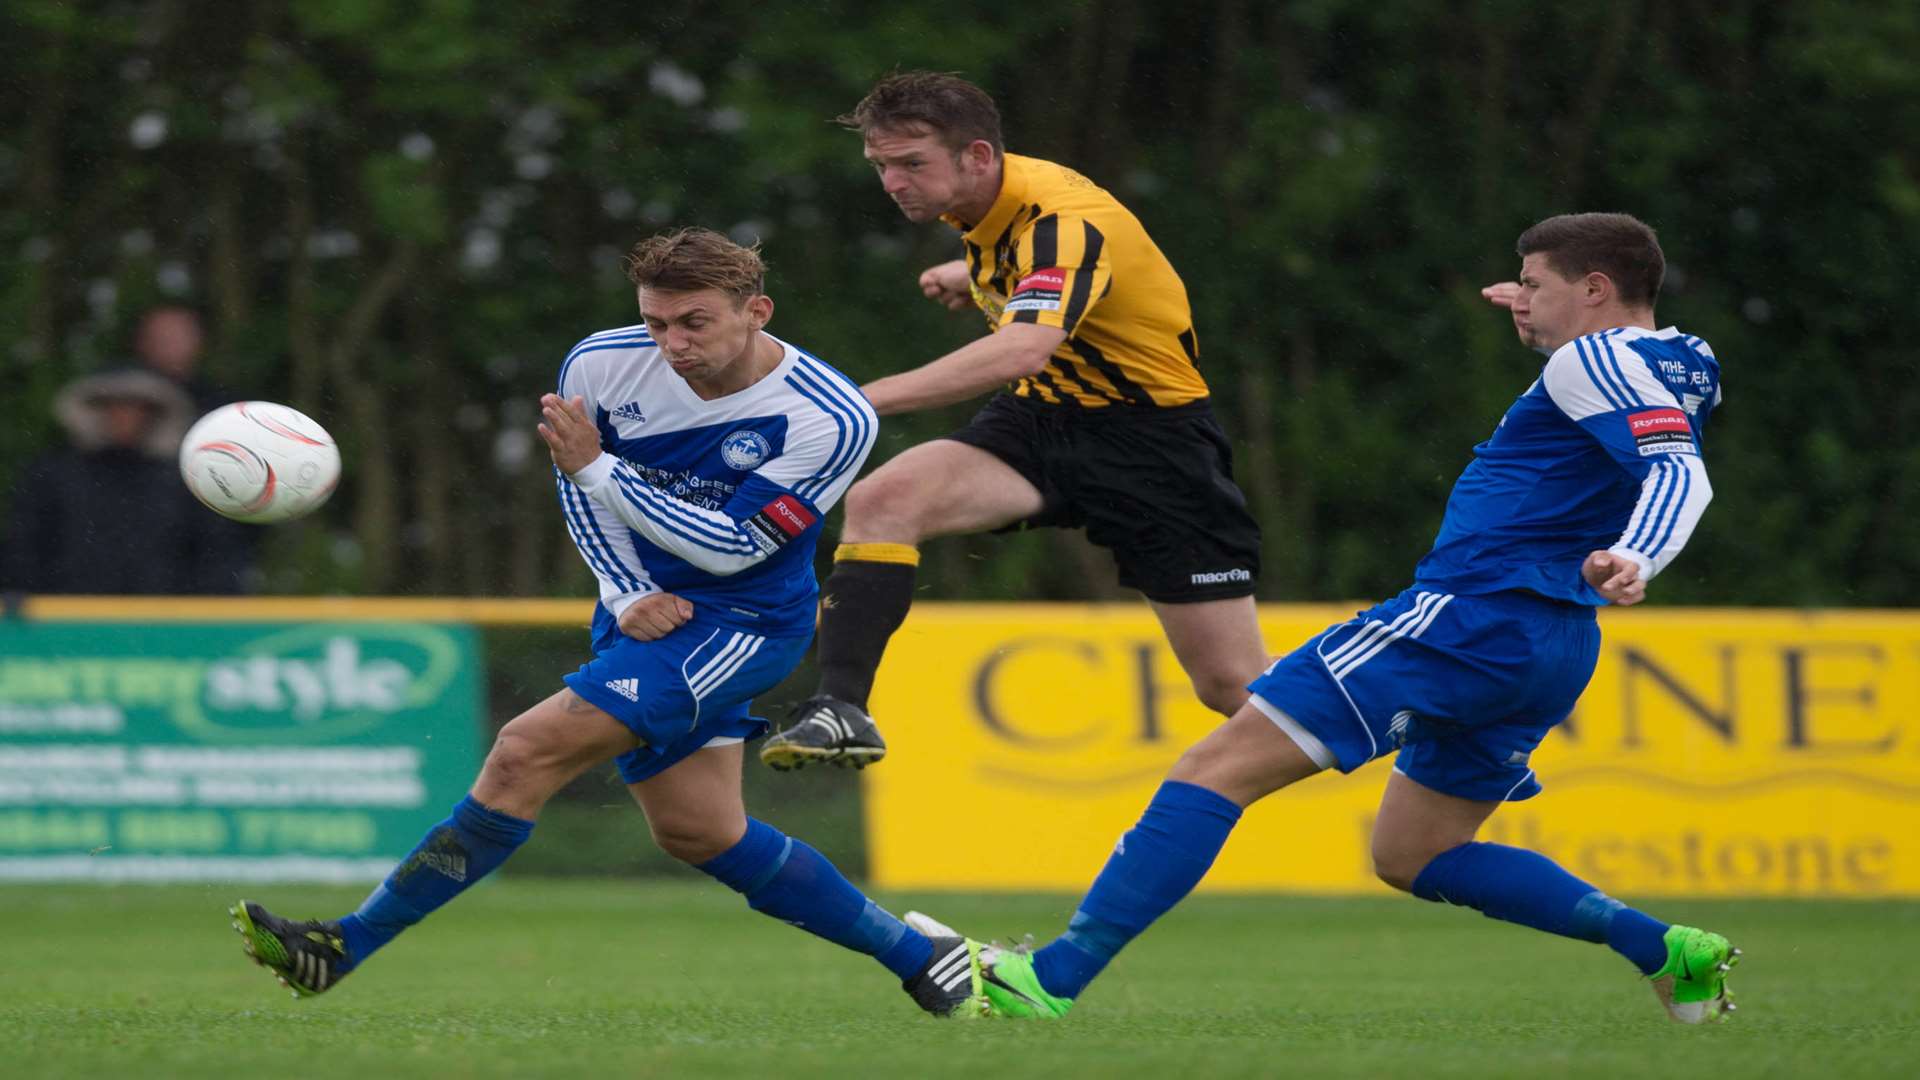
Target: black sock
(863, 602)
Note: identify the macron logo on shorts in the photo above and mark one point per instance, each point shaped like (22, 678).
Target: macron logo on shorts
(626, 688)
(1220, 577)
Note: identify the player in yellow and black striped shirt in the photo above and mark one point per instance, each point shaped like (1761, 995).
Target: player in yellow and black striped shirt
(1106, 424)
(1056, 250)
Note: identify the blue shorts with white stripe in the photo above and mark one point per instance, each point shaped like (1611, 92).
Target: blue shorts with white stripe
(1463, 687)
(684, 691)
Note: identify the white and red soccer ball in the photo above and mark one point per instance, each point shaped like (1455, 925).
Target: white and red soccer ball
(259, 462)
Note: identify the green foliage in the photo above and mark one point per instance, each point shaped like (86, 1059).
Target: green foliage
(400, 215)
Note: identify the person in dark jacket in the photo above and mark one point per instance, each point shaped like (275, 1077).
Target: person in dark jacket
(109, 514)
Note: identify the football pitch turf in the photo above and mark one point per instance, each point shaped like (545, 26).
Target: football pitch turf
(599, 978)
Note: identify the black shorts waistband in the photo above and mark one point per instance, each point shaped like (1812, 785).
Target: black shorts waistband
(1130, 414)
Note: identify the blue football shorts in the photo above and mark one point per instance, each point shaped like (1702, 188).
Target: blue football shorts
(683, 692)
(1463, 687)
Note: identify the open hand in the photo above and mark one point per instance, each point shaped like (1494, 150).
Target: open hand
(1615, 577)
(1502, 293)
(571, 438)
(654, 616)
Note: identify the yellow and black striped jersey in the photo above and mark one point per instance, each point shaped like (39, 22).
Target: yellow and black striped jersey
(1059, 250)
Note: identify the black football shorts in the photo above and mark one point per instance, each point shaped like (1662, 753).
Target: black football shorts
(1152, 485)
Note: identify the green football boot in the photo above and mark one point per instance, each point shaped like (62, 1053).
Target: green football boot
(1005, 983)
(1693, 983)
(307, 957)
(1013, 990)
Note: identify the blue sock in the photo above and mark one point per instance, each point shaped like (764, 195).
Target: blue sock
(1525, 887)
(454, 854)
(1155, 865)
(784, 878)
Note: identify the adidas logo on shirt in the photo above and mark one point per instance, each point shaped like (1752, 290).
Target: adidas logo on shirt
(626, 688)
(631, 411)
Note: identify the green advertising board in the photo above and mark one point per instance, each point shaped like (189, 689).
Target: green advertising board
(230, 752)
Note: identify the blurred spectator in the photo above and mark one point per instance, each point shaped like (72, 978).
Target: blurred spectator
(170, 341)
(110, 514)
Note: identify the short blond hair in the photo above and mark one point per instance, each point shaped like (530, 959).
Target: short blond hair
(692, 259)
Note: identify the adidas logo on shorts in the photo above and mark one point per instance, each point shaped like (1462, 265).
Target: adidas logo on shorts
(626, 688)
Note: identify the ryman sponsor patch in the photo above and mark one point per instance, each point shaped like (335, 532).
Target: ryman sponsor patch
(1661, 431)
(779, 522)
(1039, 291)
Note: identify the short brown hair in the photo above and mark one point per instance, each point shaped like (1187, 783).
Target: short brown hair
(940, 102)
(692, 259)
(1620, 246)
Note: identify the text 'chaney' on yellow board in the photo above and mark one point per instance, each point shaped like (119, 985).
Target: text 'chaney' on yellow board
(1716, 752)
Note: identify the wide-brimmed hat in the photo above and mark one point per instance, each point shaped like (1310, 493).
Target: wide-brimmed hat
(78, 407)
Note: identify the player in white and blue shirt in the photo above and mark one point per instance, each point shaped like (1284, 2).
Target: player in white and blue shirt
(696, 457)
(1589, 487)
(717, 502)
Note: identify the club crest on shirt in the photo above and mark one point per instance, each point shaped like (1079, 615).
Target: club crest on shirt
(745, 449)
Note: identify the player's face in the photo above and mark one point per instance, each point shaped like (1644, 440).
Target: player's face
(923, 177)
(703, 333)
(1547, 311)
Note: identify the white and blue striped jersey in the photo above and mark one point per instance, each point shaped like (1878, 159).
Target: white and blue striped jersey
(720, 502)
(1601, 452)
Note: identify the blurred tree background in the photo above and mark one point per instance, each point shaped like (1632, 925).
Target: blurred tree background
(397, 216)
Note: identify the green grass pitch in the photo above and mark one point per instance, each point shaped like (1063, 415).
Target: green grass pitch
(568, 979)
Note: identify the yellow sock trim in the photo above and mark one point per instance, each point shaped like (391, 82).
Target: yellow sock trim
(899, 554)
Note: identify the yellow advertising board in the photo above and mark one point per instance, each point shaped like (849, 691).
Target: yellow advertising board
(1716, 753)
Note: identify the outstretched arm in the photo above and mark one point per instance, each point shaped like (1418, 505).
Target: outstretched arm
(1013, 352)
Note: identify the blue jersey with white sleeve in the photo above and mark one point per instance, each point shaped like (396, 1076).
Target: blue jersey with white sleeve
(720, 502)
(1601, 452)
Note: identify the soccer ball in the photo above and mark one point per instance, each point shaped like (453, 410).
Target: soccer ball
(259, 462)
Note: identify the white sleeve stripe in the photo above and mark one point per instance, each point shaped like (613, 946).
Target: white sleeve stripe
(618, 572)
(1672, 516)
(587, 536)
(855, 428)
(676, 518)
(1672, 499)
(1653, 505)
(1590, 362)
(682, 517)
(843, 437)
(1622, 377)
(847, 392)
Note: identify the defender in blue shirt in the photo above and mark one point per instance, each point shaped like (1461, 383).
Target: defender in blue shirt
(1587, 489)
(695, 457)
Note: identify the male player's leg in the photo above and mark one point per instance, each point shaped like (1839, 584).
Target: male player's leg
(536, 754)
(1219, 646)
(939, 488)
(696, 814)
(1159, 861)
(1423, 843)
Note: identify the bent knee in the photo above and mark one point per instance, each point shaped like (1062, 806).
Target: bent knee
(514, 758)
(890, 504)
(1400, 873)
(1221, 694)
(692, 842)
(1400, 865)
